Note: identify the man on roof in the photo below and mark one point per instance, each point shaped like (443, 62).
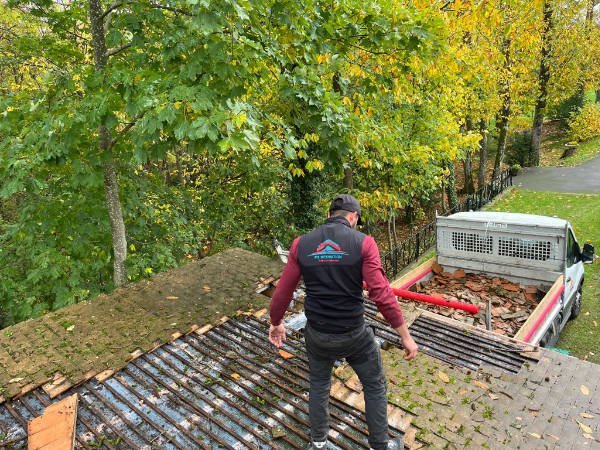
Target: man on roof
(334, 260)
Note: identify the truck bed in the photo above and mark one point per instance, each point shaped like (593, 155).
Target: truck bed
(516, 311)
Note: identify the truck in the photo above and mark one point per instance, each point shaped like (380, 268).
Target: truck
(525, 249)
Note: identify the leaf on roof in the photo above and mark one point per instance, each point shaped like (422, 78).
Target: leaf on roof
(483, 386)
(285, 355)
(584, 427)
(235, 376)
(584, 390)
(442, 376)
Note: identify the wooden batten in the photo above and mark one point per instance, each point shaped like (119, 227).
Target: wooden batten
(135, 354)
(175, 336)
(105, 374)
(57, 386)
(29, 387)
(90, 374)
(204, 329)
(55, 429)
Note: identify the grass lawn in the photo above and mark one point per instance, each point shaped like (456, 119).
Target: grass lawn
(582, 335)
(555, 145)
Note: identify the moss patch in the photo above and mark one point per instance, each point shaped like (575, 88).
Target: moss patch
(101, 333)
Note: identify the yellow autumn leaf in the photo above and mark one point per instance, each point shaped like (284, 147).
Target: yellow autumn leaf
(235, 376)
(177, 105)
(285, 355)
(483, 386)
(442, 376)
(584, 427)
(584, 390)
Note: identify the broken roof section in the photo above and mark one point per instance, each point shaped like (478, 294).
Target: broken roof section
(222, 387)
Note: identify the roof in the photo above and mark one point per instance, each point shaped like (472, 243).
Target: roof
(100, 334)
(224, 384)
(511, 218)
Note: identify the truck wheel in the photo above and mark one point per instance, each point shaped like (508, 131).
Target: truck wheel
(576, 306)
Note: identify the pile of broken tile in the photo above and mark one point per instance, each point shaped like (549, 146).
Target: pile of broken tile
(510, 304)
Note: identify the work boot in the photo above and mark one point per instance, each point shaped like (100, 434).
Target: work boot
(317, 446)
(395, 444)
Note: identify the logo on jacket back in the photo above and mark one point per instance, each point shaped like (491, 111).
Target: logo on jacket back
(328, 251)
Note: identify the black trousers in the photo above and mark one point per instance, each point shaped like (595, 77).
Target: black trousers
(361, 351)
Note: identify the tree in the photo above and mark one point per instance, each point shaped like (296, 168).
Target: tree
(543, 78)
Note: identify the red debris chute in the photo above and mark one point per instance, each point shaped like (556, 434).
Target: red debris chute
(410, 295)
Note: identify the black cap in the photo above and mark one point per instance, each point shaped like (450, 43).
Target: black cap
(346, 202)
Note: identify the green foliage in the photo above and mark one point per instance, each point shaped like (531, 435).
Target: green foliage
(519, 148)
(585, 123)
(230, 123)
(565, 108)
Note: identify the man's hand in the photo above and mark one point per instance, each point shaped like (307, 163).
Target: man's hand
(277, 335)
(410, 347)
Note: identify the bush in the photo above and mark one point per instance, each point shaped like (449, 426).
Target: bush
(519, 147)
(585, 124)
(565, 108)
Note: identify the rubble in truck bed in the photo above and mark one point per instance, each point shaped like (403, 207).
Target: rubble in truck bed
(511, 304)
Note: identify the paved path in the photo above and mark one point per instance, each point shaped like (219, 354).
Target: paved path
(580, 179)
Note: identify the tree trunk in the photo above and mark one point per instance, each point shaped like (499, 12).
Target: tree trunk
(117, 226)
(111, 185)
(179, 166)
(451, 190)
(543, 78)
(469, 186)
(348, 178)
(504, 113)
(483, 145)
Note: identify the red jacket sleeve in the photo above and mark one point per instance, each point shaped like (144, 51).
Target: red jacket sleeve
(379, 288)
(287, 284)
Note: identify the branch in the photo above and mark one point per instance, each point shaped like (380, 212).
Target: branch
(169, 8)
(114, 51)
(113, 7)
(126, 128)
